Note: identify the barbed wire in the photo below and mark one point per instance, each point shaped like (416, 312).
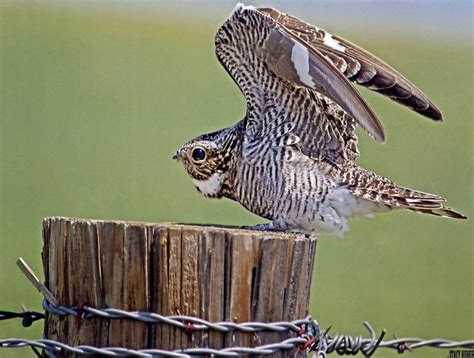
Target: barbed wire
(27, 317)
(188, 323)
(56, 347)
(291, 343)
(308, 335)
(344, 344)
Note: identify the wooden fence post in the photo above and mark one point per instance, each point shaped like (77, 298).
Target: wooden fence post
(214, 273)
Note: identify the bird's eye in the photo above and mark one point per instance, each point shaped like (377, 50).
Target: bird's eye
(198, 154)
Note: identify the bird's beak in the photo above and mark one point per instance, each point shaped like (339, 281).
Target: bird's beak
(176, 156)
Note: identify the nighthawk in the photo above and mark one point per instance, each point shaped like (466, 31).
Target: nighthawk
(291, 158)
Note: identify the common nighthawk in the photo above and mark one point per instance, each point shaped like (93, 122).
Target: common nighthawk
(291, 158)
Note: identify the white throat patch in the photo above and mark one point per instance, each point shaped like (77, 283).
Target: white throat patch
(211, 186)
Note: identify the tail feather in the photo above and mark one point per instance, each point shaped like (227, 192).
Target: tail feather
(444, 212)
(433, 206)
(373, 187)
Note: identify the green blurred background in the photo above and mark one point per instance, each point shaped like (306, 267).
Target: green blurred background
(95, 99)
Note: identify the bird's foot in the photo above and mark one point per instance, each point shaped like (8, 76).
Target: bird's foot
(272, 226)
(264, 227)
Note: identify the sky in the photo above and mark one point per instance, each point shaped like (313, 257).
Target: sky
(444, 18)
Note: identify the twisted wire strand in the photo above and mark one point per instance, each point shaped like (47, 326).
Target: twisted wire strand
(180, 321)
(27, 317)
(291, 343)
(53, 346)
(344, 344)
(437, 343)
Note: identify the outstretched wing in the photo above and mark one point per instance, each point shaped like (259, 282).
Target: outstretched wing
(358, 65)
(274, 68)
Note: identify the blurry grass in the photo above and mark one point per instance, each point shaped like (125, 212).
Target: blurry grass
(94, 105)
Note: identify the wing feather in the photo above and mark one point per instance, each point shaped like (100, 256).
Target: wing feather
(255, 33)
(359, 65)
(289, 58)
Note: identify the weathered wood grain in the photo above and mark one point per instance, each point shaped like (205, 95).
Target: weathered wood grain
(215, 273)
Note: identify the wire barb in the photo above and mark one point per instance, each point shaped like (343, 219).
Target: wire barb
(348, 345)
(27, 317)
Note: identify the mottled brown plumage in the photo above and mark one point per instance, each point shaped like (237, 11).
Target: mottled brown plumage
(291, 158)
(359, 65)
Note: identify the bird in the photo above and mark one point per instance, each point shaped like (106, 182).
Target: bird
(292, 158)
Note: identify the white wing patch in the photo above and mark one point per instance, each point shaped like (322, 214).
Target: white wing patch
(328, 40)
(300, 59)
(211, 186)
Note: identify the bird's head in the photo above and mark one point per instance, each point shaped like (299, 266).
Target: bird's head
(207, 160)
